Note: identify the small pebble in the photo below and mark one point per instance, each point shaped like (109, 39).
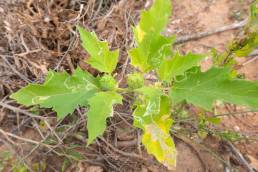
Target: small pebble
(236, 128)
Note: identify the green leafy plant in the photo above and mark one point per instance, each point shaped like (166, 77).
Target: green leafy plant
(243, 46)
(180, 80)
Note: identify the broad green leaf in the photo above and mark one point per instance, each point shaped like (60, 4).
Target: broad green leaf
(177, 65)
(101, 57)
(60, 91)
(204, 88)
(152, 47)
(158, 142)
(101, 107)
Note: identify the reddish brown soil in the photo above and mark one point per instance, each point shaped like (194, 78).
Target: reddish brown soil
(197, 16)
(56, 40)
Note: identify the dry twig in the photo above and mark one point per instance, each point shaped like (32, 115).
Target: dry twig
(240, 157)
(196, 36)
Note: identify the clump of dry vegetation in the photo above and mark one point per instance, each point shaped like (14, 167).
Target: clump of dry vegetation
(37, 36)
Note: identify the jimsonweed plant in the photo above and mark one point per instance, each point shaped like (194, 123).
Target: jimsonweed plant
(179, 80)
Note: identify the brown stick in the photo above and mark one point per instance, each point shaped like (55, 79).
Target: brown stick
(195, 36)
(240, 157)
(15, 109)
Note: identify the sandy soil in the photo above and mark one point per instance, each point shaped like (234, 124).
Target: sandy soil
(189, 17)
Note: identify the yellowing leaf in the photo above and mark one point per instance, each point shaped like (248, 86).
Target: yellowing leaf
(154, 20)
(139, 34)
(60, 91)
(101, 107)
(158, 142)
(101, 57)
(152, 115)
(152, 47)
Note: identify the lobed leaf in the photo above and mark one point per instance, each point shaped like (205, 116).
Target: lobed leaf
(177, 65)
(62, 92)
(150, 53)
(101, 107)
(101, 58)
(152, 47)
(154, 20)
(204, 88)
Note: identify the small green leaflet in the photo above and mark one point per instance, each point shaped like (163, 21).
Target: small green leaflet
(62, 92)
(204, 88)
(152, 47)
(177, 65)
(101, 107)
(101, 58)
(250, 42)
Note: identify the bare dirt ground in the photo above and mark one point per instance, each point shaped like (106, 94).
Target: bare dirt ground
(36, 36)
